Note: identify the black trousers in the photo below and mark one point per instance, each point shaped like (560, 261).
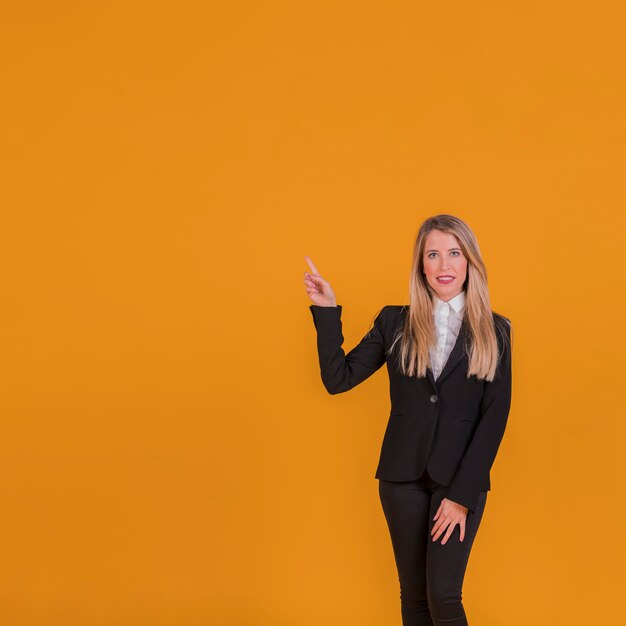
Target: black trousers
(430, 574)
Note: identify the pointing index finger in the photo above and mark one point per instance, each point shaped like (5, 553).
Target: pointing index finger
(313, 268)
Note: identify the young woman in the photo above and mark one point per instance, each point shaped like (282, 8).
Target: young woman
(448, 357)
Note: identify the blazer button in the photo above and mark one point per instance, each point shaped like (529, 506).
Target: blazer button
(433, 398)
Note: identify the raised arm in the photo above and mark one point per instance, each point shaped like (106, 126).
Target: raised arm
(340, 371)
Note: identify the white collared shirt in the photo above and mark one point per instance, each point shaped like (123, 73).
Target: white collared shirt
(448, 317)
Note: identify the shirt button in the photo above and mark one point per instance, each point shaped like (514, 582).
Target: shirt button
(433, 398)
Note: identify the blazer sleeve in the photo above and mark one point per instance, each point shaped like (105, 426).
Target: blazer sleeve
(341, 372)
(473, 471)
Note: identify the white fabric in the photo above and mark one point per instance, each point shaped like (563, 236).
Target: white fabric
(448, 317)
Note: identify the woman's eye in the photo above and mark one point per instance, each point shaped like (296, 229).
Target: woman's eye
(454, 252)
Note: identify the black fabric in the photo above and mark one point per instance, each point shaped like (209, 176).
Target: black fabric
(430, 573)
(451, 427)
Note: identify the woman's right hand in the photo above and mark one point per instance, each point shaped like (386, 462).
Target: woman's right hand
(318, 289)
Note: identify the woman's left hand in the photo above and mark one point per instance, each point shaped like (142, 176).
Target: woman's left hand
(449, 514)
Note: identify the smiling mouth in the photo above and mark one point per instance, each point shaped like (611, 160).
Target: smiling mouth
(445, 279)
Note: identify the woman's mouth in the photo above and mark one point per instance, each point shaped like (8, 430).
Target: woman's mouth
(445, 280)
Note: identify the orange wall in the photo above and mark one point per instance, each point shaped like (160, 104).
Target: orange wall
(168, 454)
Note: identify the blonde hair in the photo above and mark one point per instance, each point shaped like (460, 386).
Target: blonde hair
(418, 332)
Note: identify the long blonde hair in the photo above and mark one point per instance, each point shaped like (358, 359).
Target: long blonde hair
(418, 332)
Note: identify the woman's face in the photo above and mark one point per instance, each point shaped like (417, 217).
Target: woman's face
(443, 258)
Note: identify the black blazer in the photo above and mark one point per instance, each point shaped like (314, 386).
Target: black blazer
(452, 426)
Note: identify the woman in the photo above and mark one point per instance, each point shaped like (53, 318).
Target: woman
(448, 357)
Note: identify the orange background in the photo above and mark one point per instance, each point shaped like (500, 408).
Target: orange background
(168, 453)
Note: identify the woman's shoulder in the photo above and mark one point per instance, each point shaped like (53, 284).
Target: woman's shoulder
(394, 310)
(393, 315)
(504, 330)
(501, 320)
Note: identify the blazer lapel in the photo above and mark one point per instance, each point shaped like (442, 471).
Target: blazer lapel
(456, 355)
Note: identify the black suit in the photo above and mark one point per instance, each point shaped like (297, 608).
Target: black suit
(452, 427)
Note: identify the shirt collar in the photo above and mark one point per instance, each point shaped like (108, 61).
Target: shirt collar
(457, 303)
